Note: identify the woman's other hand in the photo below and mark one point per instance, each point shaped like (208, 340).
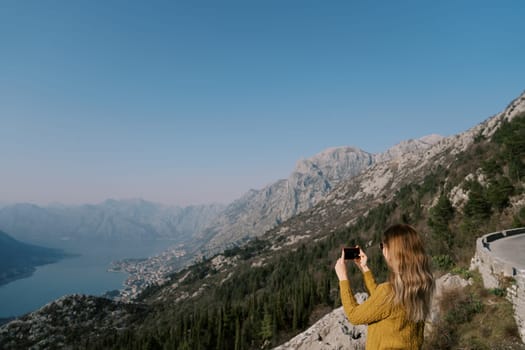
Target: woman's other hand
(340, 268)
(362, 261)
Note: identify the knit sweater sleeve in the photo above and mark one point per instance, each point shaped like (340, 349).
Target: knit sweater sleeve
(375, 308)
(370, 282)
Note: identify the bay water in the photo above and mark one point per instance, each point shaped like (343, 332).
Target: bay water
(84, 272)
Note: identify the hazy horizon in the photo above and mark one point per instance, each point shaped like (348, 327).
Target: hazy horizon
(101, 201)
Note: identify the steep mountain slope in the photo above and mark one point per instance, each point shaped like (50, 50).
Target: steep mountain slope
(313, 178)
(263, 293)
(260, 210)
(381, 182)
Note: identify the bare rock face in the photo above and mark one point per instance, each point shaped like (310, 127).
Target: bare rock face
(333, 331)
(409, 146)
(446, 283)
(449, 282)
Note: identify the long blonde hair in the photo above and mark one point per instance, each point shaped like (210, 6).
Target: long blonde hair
(410, 274)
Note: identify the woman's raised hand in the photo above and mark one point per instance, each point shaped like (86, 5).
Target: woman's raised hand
(362, 261)
(340, 267)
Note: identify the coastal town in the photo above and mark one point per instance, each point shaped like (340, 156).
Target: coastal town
(143, 273)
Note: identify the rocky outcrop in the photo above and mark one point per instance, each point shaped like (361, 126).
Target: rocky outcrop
(446, 283)
(333, 331)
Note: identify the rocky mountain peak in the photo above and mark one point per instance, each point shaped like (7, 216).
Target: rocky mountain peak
(310, 182)
(412, 146)
(258, 211)
(334, 163)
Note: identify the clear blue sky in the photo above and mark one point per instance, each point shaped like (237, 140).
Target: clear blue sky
(189, 102)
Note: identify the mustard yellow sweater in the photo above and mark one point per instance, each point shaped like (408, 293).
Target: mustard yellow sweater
(388, 327)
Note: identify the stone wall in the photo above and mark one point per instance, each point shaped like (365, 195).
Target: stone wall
(494, 269)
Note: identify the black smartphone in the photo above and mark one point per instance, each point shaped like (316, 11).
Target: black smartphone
(351, 253)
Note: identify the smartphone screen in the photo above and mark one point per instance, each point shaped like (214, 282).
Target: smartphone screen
(351, 253)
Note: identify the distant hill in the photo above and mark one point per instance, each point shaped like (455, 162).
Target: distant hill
(133, 219)
(18, 260)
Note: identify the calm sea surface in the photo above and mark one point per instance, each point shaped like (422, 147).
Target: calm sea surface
(84, 274)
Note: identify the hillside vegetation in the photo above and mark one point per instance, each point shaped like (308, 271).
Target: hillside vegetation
(259, 295)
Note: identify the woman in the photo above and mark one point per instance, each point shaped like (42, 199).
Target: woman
(395, 311)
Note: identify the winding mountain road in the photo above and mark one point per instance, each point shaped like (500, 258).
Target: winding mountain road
(511, 249)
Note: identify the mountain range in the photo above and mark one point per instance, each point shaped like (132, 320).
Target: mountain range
(135, 219)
